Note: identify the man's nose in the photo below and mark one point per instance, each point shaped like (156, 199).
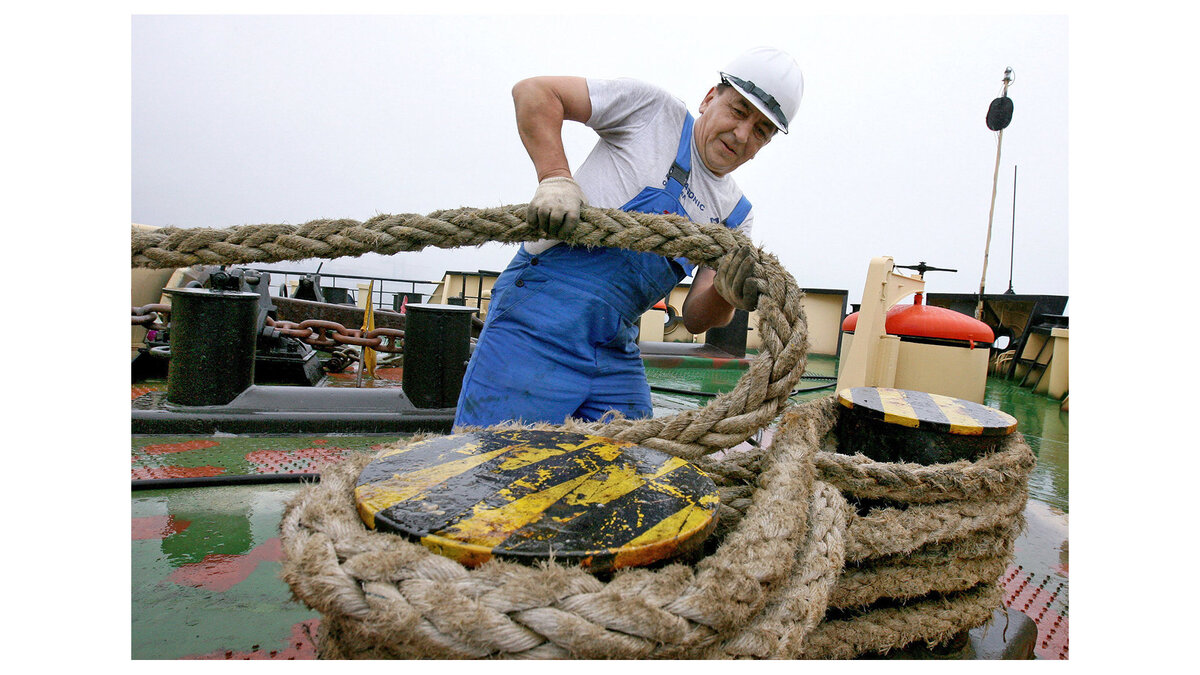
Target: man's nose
(742, 131)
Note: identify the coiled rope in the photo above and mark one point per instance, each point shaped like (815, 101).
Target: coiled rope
(796, 572)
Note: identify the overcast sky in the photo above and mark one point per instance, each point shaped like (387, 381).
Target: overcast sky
(267, 119)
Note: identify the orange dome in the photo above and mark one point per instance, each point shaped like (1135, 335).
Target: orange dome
(924, 321)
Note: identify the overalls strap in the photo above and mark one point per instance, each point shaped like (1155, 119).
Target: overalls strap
(739, 213)
(681, 168)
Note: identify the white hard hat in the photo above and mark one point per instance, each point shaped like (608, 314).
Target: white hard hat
(771, 80)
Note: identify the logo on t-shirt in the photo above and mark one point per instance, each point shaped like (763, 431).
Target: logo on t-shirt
(690, 196)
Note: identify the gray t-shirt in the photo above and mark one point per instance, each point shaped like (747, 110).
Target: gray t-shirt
(639, 126)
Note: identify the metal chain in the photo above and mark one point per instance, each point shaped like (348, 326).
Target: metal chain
(316, 332)
(148, 315)
(322, 333)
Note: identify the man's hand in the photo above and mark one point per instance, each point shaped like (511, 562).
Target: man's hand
(735, 280)
(555, 206)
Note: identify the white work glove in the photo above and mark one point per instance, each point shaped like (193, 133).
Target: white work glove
(555, 206)
(735, 280)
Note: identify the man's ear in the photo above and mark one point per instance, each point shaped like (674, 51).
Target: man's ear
(708, 98)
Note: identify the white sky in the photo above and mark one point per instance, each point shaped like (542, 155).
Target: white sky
(263, 119)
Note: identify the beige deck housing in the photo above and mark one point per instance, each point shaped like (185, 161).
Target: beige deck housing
(872, 358)
(1054, 357)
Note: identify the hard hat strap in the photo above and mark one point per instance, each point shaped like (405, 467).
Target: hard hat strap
(753, 89)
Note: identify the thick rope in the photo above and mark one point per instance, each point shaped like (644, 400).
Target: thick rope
(933, 620)
(785, 561)
(757, 399)
(926, 568)
(941, 568)
(994, 475)
(668, 234)
(799, 603)
(934, 503)
(409, 602)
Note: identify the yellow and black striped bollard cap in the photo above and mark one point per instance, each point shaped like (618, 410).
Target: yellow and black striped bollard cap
(901, 425)
(531, 495)
(930, 412)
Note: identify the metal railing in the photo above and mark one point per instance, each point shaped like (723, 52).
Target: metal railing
(386, 292)
(477, 296)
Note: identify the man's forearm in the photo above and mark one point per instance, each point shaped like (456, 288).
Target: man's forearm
(704, 308)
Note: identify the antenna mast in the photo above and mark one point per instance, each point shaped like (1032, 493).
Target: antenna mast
(1012, 237)
(998, 117)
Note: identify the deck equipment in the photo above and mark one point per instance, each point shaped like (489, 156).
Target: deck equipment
(210, 383)
(529, 495)
(901, 425)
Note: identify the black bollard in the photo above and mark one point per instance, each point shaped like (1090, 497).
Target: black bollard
(900, 425)
(213, 335)
(437, 346)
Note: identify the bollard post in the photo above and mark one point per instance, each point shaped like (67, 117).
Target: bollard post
(213, 336)
(437, 346)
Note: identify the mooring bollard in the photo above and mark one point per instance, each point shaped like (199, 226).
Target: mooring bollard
(899, 425)
(213, 336)
(437, 346)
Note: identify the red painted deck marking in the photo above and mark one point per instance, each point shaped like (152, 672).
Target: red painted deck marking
(1035, 601)
(148, 473)
(305, 460)
(301, 645)
(221, 572)
(158, 527)
(167, 448)
(137, 391)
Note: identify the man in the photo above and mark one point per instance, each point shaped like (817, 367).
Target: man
(560, 336)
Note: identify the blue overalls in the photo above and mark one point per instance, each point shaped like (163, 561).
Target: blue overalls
(560, 339)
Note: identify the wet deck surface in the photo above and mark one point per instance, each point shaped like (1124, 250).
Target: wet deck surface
(205, 561)
(1038, 583)
(206, 581)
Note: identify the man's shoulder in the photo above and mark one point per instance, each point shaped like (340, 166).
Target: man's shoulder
(629, 86)
(628, 101)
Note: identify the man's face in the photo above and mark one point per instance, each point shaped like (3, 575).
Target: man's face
(730, 131)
